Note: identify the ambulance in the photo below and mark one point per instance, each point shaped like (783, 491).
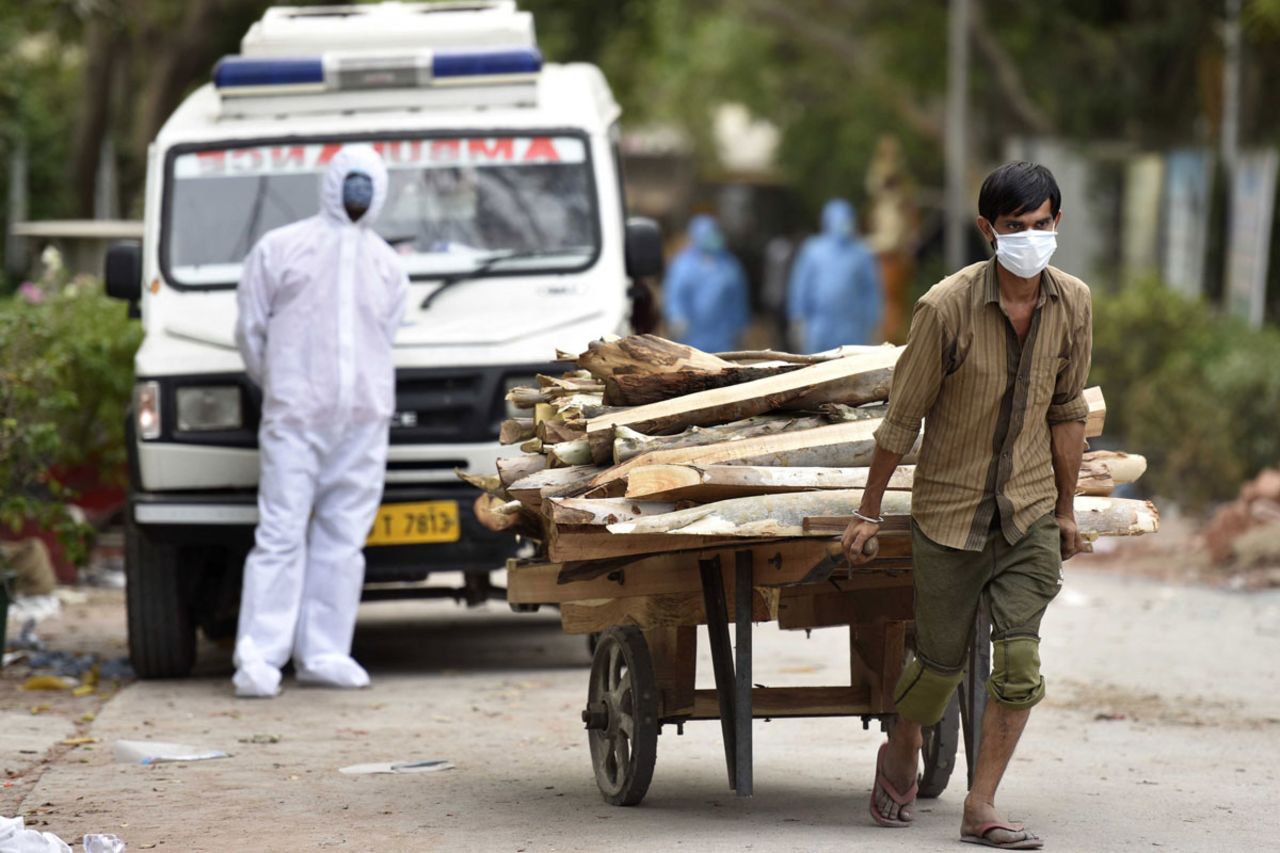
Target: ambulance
(505, 204)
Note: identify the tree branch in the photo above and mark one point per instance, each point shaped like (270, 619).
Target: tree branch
(855, 59)
(1006, 73)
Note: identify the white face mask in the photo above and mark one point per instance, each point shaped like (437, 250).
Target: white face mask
(1026, 253)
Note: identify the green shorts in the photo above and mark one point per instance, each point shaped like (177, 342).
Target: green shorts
(1017, 581)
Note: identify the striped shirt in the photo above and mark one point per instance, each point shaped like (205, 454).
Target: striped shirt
(988, 402)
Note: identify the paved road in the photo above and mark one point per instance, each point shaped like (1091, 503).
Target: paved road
(1162, 731)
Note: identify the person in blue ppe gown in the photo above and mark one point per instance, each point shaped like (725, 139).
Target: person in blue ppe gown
(835, 296)
(705, 300)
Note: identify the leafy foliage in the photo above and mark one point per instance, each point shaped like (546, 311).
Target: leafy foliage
(66, 370)
(1195, 392)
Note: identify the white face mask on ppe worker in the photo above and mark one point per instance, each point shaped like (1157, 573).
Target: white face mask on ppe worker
(1026, 253)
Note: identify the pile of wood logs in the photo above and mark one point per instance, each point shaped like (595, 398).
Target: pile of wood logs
(645, 446)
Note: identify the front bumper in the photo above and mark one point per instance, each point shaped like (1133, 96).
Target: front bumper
(227, 519)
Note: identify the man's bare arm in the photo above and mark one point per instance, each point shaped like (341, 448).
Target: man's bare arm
(883, 464)
(1067, 449)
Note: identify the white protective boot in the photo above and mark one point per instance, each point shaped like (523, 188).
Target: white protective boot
(333, 671)
(256, 680)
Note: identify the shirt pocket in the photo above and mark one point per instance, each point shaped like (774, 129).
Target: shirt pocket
(1044, 379)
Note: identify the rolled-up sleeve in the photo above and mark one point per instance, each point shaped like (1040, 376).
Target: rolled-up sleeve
(916, 381)
(1068, 403)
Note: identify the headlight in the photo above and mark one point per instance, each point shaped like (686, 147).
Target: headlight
(516, 382)
(146, 409)
(208, 408)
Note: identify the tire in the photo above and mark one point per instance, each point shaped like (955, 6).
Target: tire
(162, 633)
(622, 716)
(938, 755)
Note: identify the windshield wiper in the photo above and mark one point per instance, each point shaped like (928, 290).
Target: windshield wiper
(485, 264)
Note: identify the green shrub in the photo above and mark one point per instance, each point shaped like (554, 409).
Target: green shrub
(66, 371)
(1195, 392)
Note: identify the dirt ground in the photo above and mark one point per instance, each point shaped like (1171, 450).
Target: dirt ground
(1161, 731)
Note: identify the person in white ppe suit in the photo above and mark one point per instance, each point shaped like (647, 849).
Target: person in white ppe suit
(319, 304)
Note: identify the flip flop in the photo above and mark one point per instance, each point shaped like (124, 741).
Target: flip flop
(882, 783)
(980, 834)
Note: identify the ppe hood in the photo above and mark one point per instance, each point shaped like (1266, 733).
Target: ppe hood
(353, 158)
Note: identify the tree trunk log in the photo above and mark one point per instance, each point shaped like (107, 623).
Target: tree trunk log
(765, 516)
(775, 516)
(722, 482)
(516, 430)
(645, 354)
(569, 453)
(512, 468)
(603, 512)
(549, 483)
(495, 514)
(1102, 470)
(487, 483)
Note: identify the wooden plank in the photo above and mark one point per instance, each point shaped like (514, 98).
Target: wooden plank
(706, 483)
(667, 610)
(776, 564)
(1097, 417)
(641, 389)
(836, 525)
(578, 511)
(858, 379)
(569, 543)
(779, 702)
(824, 605)
(674, 652)
(629, 443)
(843, 445)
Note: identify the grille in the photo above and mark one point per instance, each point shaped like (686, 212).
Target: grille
(446, 406)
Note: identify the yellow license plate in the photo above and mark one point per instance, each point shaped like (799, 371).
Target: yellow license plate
(415, 524)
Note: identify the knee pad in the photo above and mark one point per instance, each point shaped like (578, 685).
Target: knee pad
(1015, 679)
(923, 692)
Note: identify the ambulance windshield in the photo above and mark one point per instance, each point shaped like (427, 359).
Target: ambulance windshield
(453, 203)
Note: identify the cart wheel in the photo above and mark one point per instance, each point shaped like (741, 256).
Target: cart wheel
(622, 716)
(939, 751)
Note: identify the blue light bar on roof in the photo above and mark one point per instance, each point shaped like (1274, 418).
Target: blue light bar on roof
(234, 72)
(481, 63)
(237, 75)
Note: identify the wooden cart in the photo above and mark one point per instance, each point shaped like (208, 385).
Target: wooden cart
(645, 611)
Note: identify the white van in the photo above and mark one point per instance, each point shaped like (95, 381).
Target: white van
(505, 203)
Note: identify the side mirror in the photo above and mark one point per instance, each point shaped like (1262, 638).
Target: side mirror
(644, 248)
(122, 272)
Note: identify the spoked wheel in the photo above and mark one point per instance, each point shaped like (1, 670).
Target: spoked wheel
(622, 716)
(938, 755)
